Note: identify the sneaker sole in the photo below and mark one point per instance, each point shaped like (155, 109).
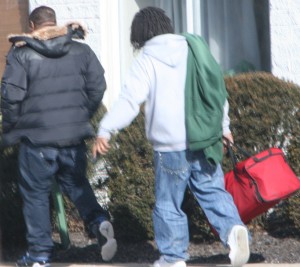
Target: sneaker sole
(242, 253)
(162, 263)
(109, 249)
(36, 264)
(41, 265)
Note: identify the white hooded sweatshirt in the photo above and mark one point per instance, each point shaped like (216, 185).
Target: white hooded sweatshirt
(156, 78)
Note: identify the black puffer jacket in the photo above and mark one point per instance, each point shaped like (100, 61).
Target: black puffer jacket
(51, 87)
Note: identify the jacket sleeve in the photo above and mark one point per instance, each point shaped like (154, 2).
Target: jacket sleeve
(226, 119)
(95, 82)
(134, 92)
(13, 91)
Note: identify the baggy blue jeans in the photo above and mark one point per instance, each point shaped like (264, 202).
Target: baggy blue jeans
(174, 171)
(38, 166)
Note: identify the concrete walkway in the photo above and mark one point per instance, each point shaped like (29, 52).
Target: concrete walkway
(149, 265)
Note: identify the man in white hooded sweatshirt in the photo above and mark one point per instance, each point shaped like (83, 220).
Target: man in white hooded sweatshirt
(157, 78)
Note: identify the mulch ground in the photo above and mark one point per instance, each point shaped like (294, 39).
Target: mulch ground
(264, 249)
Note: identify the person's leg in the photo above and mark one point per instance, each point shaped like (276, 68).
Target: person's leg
(172, 172)
(37, 166)
(71, 176)
(207, 184)
(74, 183)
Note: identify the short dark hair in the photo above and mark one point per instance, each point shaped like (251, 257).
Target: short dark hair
(43, 15)
(147, 23)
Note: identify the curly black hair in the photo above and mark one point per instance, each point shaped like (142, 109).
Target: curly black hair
(147, 23)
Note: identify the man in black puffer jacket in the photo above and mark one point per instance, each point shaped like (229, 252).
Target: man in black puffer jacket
(51, 87)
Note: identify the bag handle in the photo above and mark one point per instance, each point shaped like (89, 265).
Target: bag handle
(241, 150)
(232, 155)
(233, 158)
(256, 159)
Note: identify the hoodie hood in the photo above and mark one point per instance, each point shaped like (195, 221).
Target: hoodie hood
(167, 48)
(50, 41)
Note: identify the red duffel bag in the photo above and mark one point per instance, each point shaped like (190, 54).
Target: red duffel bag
(260, 182)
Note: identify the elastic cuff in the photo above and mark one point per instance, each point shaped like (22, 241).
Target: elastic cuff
(104, 133)
(39, 256)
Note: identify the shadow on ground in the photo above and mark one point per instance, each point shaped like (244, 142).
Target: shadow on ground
(142, 252)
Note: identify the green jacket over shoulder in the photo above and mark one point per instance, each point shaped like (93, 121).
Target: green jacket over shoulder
(205, 95)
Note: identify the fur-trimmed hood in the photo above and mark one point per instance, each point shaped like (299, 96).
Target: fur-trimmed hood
(50, 41)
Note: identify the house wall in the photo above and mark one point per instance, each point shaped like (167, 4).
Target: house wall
(285, 39)
(86, 12)
(105, 22)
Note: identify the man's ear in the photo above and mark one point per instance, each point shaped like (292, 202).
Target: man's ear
(31, 26)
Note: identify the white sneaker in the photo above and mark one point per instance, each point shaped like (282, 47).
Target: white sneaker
(109, 245)
(162, 263)
(238, 242)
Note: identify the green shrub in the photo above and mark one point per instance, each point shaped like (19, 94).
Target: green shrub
(12, 226)
(265, 112)
(11, 220)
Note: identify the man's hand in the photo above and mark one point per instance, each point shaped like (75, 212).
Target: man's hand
(101, 146)
(227, 137)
